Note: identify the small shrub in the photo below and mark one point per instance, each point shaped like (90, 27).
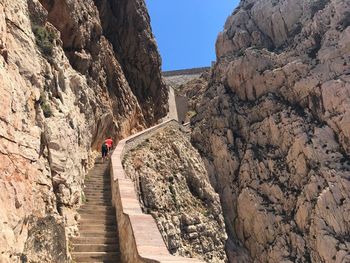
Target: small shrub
(44, 39)
(47, 110)
(45, 106)
(83, 198)
(191, 114)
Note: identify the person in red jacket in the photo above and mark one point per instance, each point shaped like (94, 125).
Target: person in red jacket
(109, 143)
(104, 152)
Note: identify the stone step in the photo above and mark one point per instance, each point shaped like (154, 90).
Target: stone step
(97, 169)
(96, 256)
(98, 173)
(98, 178)
(100, 234)
(92, 207)
(98, 202)
(95, 201)
(86, 221)
(95, 248)
(95, 240)
(98, 186)
(99, 228)
(95, 197)
(97, 217)
(101, 197)
(99, 225)
(96, 191)
(88, 214)
(106, 192)
(94, 184)
(104, 205)
(98, 207)
(101, 203)
(89, 184)
(98, 199)
(98, 196)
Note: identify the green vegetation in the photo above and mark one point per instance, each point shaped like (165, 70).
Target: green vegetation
(83, 198)
(173, 196)
(45, 106)
(44, 39)
(190, 114)
(71, 248)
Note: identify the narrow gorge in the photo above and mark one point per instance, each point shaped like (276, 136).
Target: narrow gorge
(260, 174)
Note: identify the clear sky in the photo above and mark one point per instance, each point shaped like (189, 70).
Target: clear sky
(186, 30)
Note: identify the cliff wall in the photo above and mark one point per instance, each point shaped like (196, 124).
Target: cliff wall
(66, 83)
(273, 127)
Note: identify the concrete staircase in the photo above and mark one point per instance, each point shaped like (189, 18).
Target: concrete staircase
(98, 240)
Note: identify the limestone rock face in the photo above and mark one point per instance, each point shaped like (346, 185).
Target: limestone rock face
(273, 128)
(126, 24)
(194, 90)
(63, 89)
(174, 187)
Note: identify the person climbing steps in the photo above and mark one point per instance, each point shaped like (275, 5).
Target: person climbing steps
(104, 151)
(109, 143)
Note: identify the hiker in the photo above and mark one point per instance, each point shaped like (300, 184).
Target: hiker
(109, 143)
(104, 151)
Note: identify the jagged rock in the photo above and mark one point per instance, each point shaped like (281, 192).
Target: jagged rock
(46, 242)
(194, 90)
(173, 186)
(274, 132)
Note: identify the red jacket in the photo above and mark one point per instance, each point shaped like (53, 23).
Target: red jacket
(109, 143)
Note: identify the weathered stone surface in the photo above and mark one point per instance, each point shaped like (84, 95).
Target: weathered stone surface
(63, 90)
(273, 128)
(46, 241)
(173, 186)
(194, 90)
(126, 24)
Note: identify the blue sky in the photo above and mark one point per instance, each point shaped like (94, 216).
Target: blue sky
(186, 30)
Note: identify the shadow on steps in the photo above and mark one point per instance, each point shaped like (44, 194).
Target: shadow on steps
(98, 234)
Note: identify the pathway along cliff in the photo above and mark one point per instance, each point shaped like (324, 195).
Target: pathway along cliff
(98, 238)
(69, 77)
(272, 125)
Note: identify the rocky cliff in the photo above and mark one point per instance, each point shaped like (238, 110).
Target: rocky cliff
(274, 129)
(71, 73)
(174, 188)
